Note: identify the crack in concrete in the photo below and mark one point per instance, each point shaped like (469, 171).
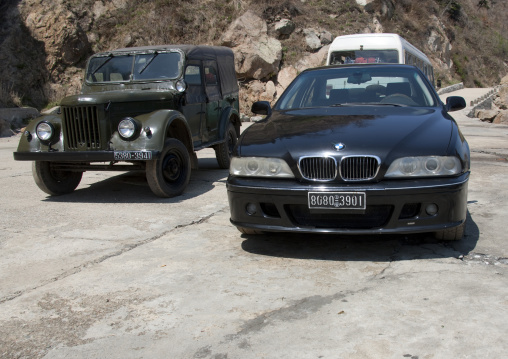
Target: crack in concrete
(498, 155)
(486, 259)
(124, 249)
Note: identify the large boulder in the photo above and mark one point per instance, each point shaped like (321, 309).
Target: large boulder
(313, 60)
(257, 56)
(501, 100)
(284, 78)
(315, 39)
(13, 119)
(284, 28)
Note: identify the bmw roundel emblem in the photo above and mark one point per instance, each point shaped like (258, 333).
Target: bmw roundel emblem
(339, 146)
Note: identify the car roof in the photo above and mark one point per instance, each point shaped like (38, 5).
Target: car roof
(223, 56)
(191, 51)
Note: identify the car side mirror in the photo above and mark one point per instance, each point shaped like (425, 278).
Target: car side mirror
(261, 108)
(455, 103)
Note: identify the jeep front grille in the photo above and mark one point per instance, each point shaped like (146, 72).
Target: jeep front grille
(359, 168)
(81, 128)
(351, 168)
(318, 168)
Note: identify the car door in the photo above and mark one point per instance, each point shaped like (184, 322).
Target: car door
(213, 95)
(195, 100)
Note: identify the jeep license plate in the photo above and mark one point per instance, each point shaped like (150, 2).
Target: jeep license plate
(132, 155)
(337, 200)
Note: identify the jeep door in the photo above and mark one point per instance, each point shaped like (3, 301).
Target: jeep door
(195, 99)
(213, 94)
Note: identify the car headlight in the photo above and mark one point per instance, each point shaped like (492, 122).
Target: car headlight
(260, 167)
(424, 166)
(128, 128)
(45, 131)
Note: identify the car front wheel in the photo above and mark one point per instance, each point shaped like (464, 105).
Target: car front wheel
(54, 181)
(451, 234)
(169, 174)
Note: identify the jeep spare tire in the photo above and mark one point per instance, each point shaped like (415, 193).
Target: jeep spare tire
(169, 174)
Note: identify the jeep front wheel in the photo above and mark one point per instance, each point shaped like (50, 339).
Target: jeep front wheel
(169, 174)
(54, 181)
(224, 151)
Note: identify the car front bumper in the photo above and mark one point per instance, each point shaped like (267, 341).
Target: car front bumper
(78, 156)
(391, 206)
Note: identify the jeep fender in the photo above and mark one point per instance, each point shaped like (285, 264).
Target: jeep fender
(155, 128)
(29, 142)
(230, 114)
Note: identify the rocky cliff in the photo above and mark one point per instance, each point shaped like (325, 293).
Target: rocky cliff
(44, 44)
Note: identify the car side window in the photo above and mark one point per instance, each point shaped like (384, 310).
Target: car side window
(212, 87)
(210, 76)
(192, 75)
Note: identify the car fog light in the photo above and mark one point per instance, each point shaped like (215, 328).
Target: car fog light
(251, 209)
(127, 128)
(431, 209)
(45, 131)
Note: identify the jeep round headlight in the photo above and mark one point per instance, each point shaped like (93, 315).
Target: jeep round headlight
(45, 131)
(128, 128)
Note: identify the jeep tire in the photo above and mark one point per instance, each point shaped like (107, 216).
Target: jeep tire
(169, 174)
(224, 151)
(53, 181)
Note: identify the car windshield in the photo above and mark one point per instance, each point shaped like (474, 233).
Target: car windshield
(358, 86)
(134, 67)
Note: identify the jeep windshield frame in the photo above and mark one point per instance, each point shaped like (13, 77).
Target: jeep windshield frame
(138, 66)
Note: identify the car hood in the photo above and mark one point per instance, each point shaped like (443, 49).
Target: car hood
(130, 95)
(386, 132)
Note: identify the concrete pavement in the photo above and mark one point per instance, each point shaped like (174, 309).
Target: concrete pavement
(110, 271)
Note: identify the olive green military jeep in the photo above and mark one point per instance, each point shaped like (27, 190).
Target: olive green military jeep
(143, 108)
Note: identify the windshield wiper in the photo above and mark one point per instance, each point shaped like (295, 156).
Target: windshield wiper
(110, 56)
(366, 104)
(391, 104)
(148, 62)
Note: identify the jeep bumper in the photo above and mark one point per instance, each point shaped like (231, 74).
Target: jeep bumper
(87, 156)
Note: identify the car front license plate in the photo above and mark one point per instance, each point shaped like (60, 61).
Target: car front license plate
(337, 200)
(132, 155)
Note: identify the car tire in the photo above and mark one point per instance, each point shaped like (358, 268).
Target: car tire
(451, 234)
(249, 231)
(54, 182)
(169, 174)
(224, 151)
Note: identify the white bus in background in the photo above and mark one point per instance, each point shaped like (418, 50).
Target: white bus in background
(378, 48)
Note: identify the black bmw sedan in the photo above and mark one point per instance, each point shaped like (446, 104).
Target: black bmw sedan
(359, 149)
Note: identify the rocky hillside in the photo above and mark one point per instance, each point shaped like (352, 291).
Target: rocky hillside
(44, 44)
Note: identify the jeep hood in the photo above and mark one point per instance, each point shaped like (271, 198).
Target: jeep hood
(119, 96)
